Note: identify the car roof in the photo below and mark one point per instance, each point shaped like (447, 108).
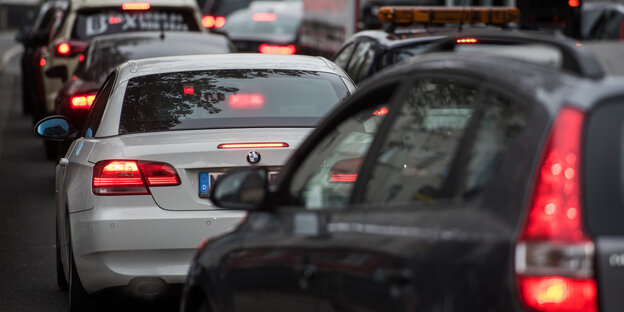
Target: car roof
(171, 64)
(408, 36)
(549, 85)
(80, 4)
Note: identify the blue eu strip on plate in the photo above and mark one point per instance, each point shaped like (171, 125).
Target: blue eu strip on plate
(204, 183)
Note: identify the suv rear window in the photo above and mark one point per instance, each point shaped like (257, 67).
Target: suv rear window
(229, 99)
(91, 23)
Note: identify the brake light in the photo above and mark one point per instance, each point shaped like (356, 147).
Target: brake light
(210, 21)
(42, 62)
(252, 145)
(467, 40)
(345, 170)
(244, 101)
(135, 6)
(131, 177)
(554, 256)
(188, 89)
(71, 48)
(277, 49)
(63, 49)
(264, 17)
(574, 3)
(81, 101)
(380, 112)
(113, 20)
(82, 58)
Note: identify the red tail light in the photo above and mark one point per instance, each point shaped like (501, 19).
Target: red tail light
(554, 256)
(130, 177)
(264, 17)
(81, 101)
(574, 3)
(135, 6)
(42, 62)
(210, 21)
(277, 49)
(71, 48)
(380, 112)
(345, 170)
(252, 145)
(467, 40)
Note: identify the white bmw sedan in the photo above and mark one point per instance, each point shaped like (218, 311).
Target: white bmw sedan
(132, 189)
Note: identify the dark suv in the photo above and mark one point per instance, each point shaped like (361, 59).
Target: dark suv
(482, 181)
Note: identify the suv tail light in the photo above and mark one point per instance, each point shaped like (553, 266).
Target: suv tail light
(83, 101)
(554, 256)
(70, 48)
(131, 177)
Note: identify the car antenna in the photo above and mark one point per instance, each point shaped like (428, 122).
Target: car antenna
(461, 18)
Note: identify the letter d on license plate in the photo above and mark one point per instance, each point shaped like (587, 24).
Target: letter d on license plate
(206, 181)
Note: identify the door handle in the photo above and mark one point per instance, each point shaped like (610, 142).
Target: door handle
(63, 162)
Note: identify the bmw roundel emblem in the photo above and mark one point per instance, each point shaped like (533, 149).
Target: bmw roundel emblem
(253, 157)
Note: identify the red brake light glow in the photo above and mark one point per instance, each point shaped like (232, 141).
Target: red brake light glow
(345, 170)
(264, 17)
(63, 49)
(245, 101)
(42, 62)
(188, 89)
(81, 101)
(82, 58)
(135, 6)
(467, 40)
(114, 20)
(131, 177)
(277, 49)
(252, 145)
(210, 21)
(380, 112)
(343, 177)
(554, 255)
(574, 3)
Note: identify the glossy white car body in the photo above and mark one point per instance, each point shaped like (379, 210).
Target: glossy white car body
(115, 239)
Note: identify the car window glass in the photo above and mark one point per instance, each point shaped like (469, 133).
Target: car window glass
(415, 160)
(361, 55)
(343, 56)
(326, 177)
(97, 110)
(501, 120)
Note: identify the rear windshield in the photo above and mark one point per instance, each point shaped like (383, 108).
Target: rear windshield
(107, 54)
(245, 22)
(109, 21)
(229, 99)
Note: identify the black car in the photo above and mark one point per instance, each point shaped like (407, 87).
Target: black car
(268, 27)
(35, 38)
(368, 52)
(486, 181)
(75, 98)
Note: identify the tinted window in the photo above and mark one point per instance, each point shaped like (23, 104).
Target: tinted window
(105, 55)
(229, 99)
(94, 23)
(242, 22)
(224, 7)
(342, 57)
(326, 178)
(360, 61)
(415, 160)
(99, 106)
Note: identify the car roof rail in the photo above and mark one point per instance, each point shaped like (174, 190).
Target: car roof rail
(574, 58)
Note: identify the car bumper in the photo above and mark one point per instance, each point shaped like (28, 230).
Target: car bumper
(114, 244)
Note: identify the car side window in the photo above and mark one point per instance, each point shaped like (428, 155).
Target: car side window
(97, 109)
(326, 177)
(343, 56)
(416, 160)
(360, 61)
(501, 119)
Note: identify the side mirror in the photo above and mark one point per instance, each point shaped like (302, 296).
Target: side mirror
(54, 127)
(241, 190)
(58, 71)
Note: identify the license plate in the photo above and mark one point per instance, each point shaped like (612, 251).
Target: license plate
(208, 179)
